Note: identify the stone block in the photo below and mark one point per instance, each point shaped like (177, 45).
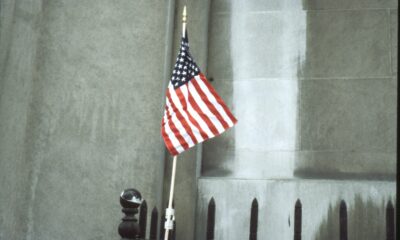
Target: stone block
(347, 44)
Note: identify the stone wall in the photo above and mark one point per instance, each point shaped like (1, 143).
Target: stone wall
(80, 111)
(19, 33)
(314, 87)
(312, 83)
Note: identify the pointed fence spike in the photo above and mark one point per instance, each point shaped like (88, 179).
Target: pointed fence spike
(211, 219)
(343, 220)
(254, 220)
(390, 228)
(297, 220)
(153, 224)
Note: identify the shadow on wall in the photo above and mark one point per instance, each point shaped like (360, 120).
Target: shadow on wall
(217, 155)
(363, 220)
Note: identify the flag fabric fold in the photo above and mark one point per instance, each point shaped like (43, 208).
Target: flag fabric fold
(194, 112)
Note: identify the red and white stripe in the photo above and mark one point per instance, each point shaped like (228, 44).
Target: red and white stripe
(194, 112)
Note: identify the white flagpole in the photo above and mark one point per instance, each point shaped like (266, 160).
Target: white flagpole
(170, 212)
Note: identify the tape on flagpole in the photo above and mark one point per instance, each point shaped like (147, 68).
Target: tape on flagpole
(169, 219)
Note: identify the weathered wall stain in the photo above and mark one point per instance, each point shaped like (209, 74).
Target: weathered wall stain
(366, 220)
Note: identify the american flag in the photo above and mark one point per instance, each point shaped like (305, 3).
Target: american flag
(194, 112)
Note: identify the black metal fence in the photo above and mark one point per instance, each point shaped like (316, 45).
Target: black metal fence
(343, 224)
(132, 229)
(130, 211)
(153, 224)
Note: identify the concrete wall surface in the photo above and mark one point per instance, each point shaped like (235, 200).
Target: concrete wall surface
(313, 85)
(19, 33)
(80, 110)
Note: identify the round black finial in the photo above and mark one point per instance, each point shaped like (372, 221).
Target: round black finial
(130, 198)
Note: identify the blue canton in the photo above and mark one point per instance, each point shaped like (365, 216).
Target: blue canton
(185, 68)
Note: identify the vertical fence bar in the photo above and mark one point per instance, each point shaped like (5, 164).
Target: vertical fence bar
(254, 220)
(173, 234)
(162, 230)
(143, 219)
(211, 219)
(390, 221)
(297, 220)
(153, 224)
(343, 220)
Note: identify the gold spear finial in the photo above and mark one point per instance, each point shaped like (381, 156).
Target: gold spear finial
(184, 14)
